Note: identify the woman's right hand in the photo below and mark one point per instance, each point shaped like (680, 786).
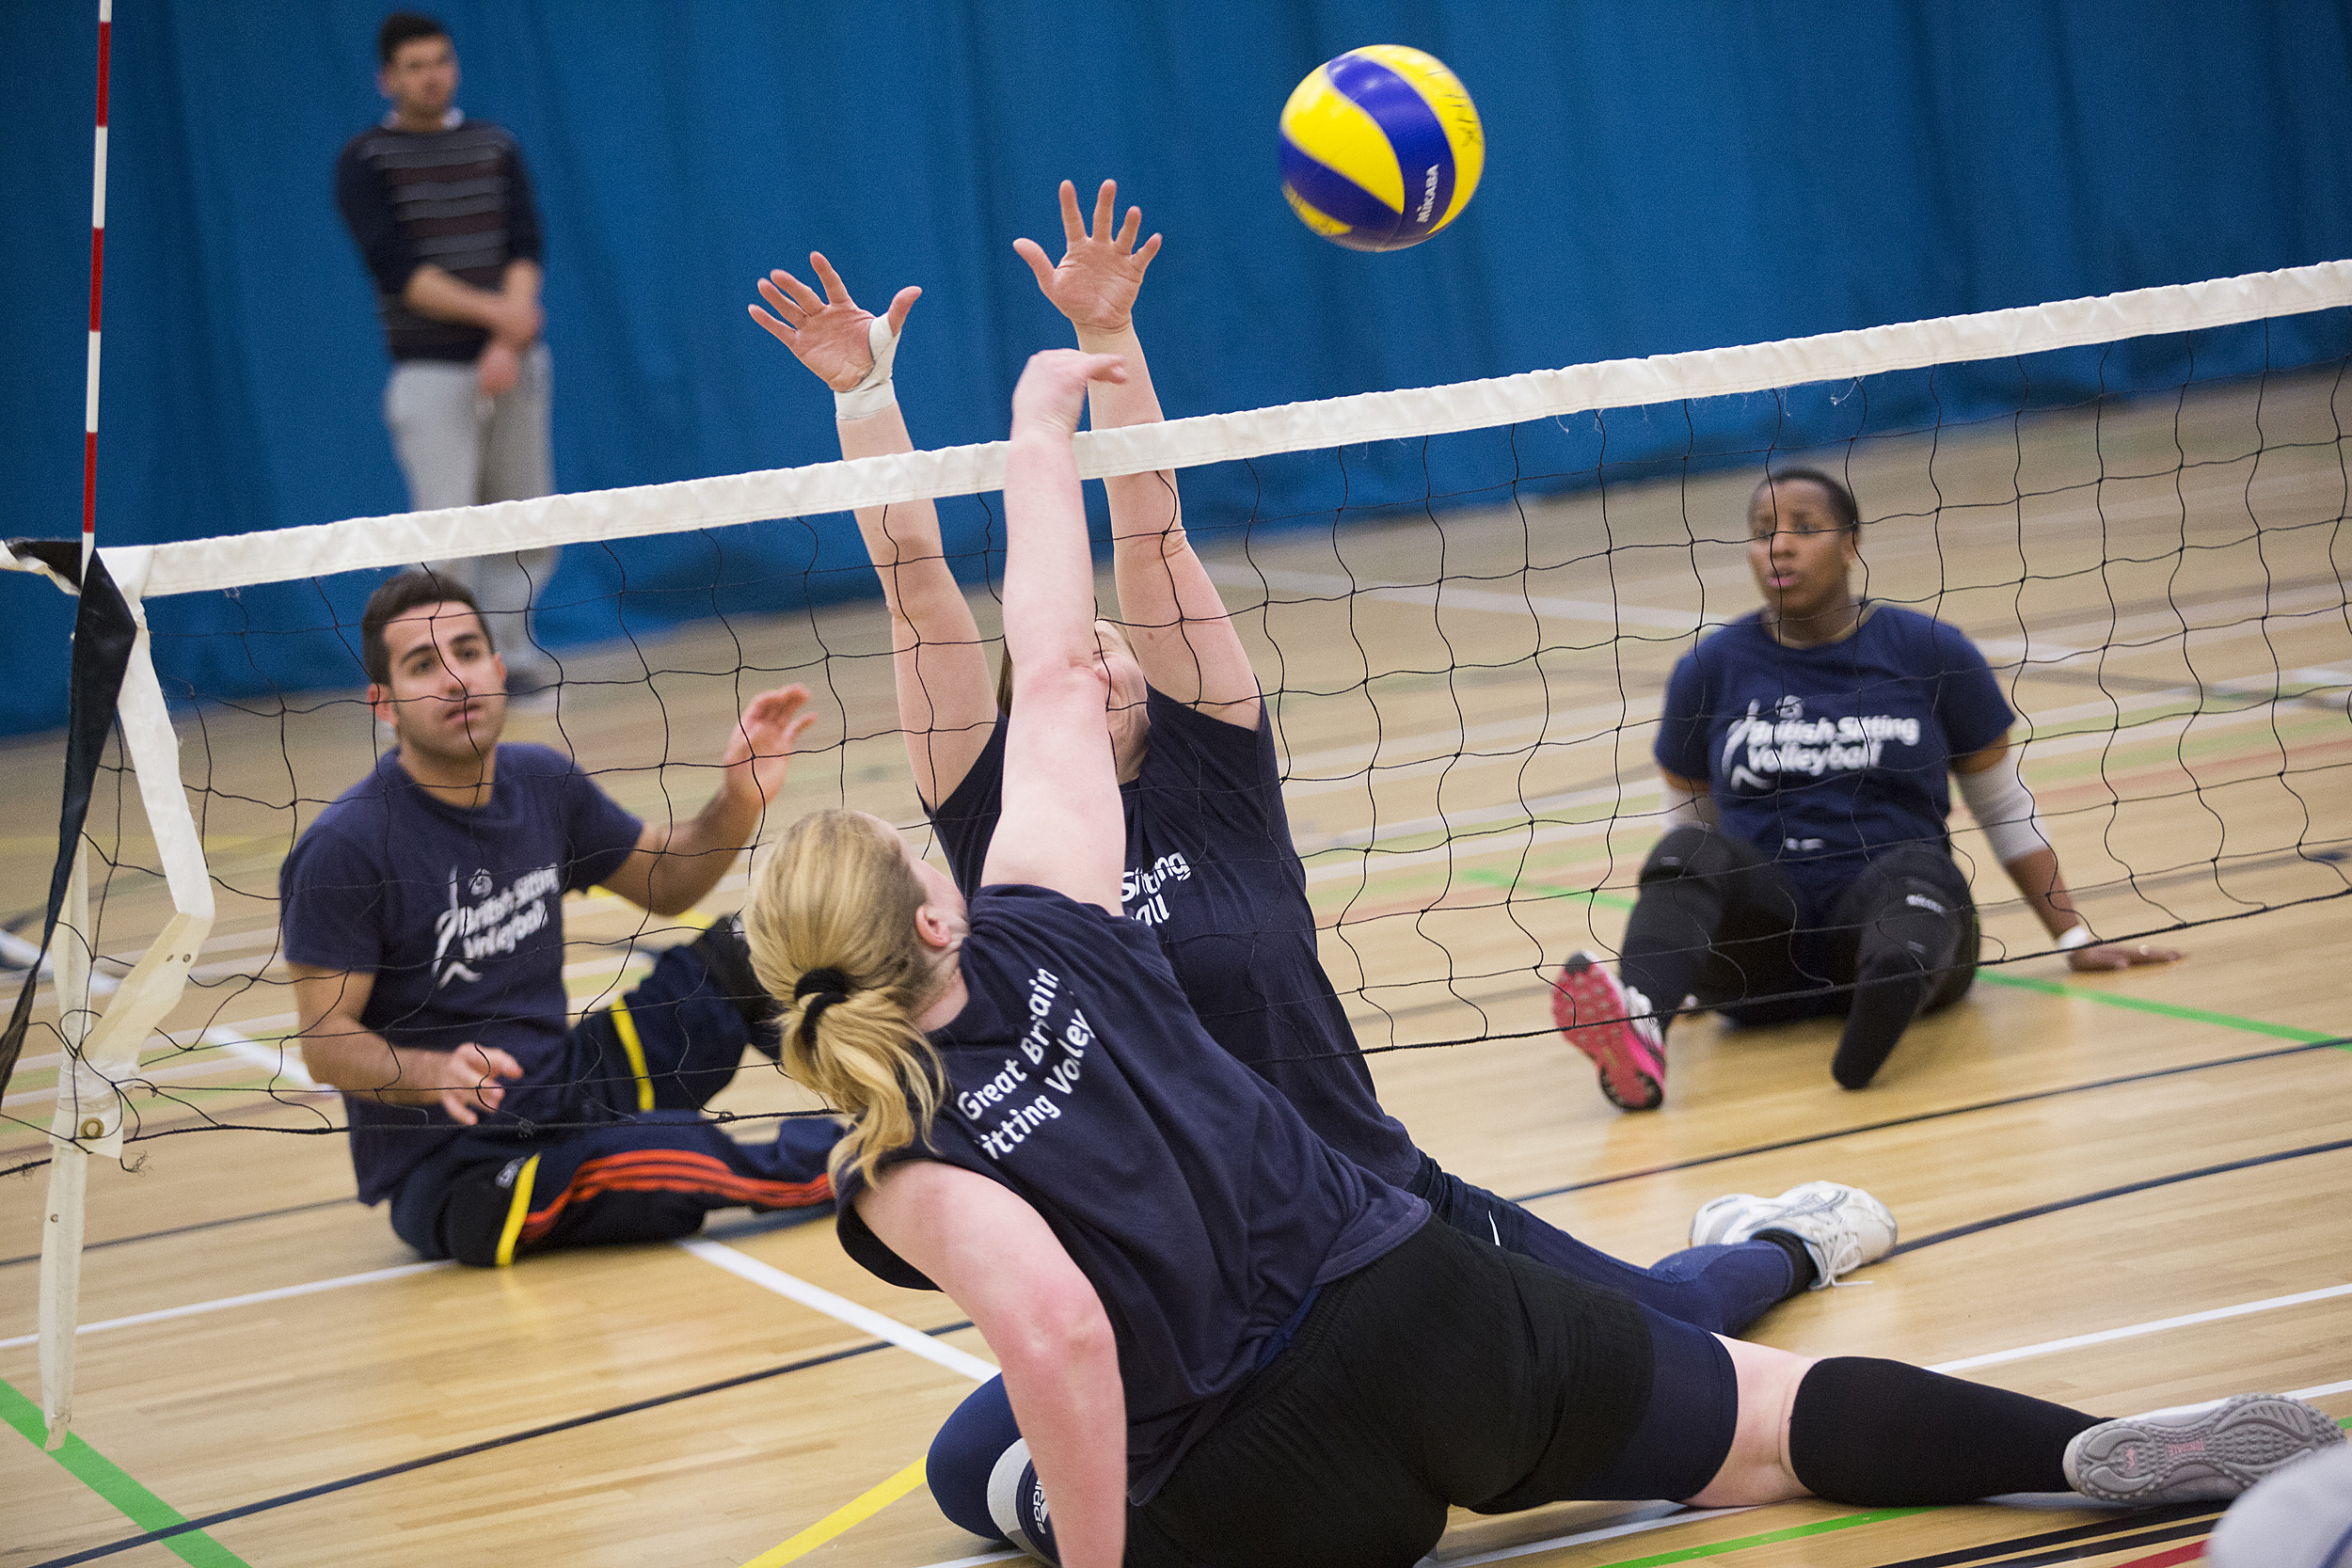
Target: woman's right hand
(828, 333)
(1053, 387)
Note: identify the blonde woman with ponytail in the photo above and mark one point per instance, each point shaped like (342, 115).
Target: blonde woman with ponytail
(863, 953)
(1223, 1341)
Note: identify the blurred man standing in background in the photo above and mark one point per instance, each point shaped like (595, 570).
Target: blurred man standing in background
(441, 209)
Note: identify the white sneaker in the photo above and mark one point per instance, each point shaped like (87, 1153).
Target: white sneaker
(2195, 1453)
(1842, 1227)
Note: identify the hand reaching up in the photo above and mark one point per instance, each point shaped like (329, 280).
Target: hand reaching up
(759, 750)
(1100, 273)
(828, 333)
(1052, 387)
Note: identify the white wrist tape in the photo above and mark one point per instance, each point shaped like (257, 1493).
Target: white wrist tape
(873, 394)
(2003, 807)
(2073, 937)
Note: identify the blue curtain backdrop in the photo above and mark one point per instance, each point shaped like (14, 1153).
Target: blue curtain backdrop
(1661, 177)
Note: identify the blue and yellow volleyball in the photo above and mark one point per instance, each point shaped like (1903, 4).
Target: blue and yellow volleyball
(1381, 148)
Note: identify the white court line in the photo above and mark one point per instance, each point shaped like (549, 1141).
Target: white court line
(242, 1056)
(2321, 1390)
(281, 1293)
(274, 1057)
(744, 1266)
(2156, 1326)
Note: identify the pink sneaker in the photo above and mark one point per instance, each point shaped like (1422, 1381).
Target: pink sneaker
(1629, 1051)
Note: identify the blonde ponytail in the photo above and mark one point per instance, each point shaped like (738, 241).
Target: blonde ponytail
(837, 894)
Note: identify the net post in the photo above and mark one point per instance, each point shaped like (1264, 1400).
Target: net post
(69, 1169)
(97, 279)
(68, 1165)
(61, 1285)
(103, 1052)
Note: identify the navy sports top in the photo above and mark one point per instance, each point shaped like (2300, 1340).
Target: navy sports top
(1211, 869)
(1190, 1193)
(1819, 755)
(457, 914)
(459, 198)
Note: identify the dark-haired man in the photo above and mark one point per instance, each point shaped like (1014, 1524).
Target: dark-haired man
(441, 209)
(422, 920)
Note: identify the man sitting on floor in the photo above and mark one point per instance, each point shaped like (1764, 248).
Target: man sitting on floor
(422, 920)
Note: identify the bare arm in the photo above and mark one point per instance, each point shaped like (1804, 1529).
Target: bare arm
(674, 867)
(946, 700)
(510, 313)
(1000, 1262)
(2036, 874)
(1688, 800)
(339, 1049)
(1175, 618)
(1062, 825)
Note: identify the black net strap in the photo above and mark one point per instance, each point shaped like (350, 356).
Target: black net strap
(104, 631)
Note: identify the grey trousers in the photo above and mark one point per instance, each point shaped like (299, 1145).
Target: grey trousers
(458, 448)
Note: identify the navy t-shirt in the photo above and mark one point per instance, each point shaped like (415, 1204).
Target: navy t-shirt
(1211, 870)
(458, 912)
(1189, 1193)
(1817, 756)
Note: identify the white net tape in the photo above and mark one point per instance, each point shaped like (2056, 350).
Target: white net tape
(283, 555)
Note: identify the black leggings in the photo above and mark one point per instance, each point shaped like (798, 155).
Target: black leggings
(1719, 923)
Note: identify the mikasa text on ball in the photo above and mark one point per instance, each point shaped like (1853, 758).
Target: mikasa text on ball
(1381, 148)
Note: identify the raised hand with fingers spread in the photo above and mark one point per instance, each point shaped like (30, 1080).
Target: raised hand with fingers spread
(947, 699)
(1100, 272)
(829, 333)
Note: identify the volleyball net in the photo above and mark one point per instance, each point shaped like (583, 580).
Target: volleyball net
(1463, 603)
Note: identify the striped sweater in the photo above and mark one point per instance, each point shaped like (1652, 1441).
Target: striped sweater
(458, 198)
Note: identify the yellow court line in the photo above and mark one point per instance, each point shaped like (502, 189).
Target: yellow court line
(852, 1513)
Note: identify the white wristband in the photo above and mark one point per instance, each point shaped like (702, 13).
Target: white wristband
(2073, 937)
(873, 394)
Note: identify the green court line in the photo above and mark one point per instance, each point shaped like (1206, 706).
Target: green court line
(104, 1477)
(1546, 890)
(1991, 976)
(2162, 1010)
(1794, 1533)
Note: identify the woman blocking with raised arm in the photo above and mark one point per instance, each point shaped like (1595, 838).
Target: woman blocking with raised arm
(1224, 1343)
(1209, 862)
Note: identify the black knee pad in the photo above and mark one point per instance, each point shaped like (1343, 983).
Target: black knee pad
(473, 1218)
(1687, 851)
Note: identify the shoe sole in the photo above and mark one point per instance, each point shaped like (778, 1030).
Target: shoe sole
(2212, 1458)
(1631, 1076)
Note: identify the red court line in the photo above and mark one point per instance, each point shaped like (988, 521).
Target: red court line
(2189, 1553)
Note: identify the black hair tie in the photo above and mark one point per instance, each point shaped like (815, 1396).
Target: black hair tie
(819, 988)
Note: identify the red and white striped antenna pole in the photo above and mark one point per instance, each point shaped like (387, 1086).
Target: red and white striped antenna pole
(97, 274)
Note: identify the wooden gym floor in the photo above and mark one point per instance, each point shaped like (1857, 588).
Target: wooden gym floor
(2118, 1191)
